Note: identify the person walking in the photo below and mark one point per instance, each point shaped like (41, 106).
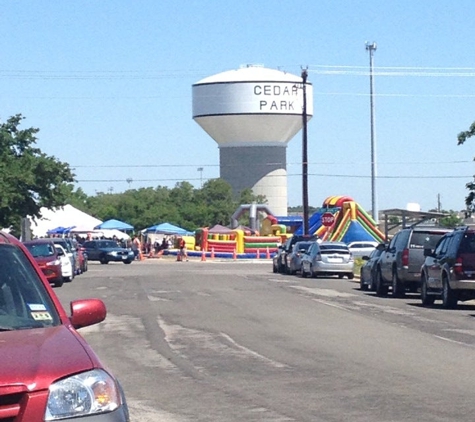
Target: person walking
(183, 252)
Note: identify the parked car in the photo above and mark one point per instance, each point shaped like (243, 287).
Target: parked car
(49, 372)
(328, 258)
(106, 251)
(362, 248)
(448, 272)
(66, 265)
(368, 269)
(70, 252)
(400, 263)
(286, 248)
(294, 258)
(47, 258)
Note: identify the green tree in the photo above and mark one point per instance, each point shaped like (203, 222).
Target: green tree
(470, 198)
(29, 179)
(451, 221)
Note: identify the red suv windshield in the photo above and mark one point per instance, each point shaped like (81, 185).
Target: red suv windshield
(24, 302)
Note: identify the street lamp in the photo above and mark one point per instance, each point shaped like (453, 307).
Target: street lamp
(371, 48)
(200, 169)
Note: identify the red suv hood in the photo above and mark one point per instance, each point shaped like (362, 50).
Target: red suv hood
(33, 359)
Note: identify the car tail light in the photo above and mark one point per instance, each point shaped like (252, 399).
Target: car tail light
(405, 258)
(318, 257)
(458, 266)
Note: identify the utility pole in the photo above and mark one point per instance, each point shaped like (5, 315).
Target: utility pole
(304, 154)
(374, 206)
(200, 169)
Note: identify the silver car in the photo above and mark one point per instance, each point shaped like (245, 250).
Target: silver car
(328, 258)
(294, 259)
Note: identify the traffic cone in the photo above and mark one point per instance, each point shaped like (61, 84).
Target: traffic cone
(212, 253)
(234, 254)
(258, 254)
(267, 253)
(178, 256)
(141, 257)
(203, 255)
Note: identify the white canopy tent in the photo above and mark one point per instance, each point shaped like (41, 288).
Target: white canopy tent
(98, 233)
(66, 216)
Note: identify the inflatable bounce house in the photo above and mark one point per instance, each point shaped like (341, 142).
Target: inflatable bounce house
(350, 222)
(241, 242)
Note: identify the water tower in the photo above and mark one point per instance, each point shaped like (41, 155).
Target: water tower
(252, 113)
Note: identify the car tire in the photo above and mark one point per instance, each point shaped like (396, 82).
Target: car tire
(84, 269)
(128, 261)
(303, 273)
(350, 276)
(426, 299)
(372, 283)
(381, 289)
(363, 285)
(103, 260)
(274, 269)
(58, 282)
(449, 299)
(398, 286)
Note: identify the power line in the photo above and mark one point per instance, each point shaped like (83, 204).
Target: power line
(346, 176)
(320, 163)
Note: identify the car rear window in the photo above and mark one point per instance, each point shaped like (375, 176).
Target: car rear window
(467, 245)
(326, 249)
(302, 246)
(40, 250)
(424, 240)
(24, 300)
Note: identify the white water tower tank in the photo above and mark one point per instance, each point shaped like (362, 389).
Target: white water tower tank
(252, 113)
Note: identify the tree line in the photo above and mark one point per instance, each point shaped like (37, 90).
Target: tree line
(31, 179)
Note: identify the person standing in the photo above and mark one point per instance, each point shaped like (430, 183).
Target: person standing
(136, 247)
(183, 253)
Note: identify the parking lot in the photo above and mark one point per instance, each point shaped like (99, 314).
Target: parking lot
(232, 341)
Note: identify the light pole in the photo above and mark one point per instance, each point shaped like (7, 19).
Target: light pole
(200, 169)
(304, 154)
(371, 48)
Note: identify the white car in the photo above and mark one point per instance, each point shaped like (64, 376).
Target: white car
(66, 265)
(362, 248)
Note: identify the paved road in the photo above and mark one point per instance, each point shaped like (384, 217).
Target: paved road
(213, 341)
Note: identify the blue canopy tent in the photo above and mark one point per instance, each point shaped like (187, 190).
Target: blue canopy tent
(60, 230)
(114, 225)
(167, 228)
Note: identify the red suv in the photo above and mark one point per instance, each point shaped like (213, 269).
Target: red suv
(47, 258)
(49, 372)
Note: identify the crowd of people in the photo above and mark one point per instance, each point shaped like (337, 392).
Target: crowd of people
(148, 246)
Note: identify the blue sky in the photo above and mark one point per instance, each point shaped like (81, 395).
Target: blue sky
(108, 83)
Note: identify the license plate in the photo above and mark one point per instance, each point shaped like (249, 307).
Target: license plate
(124, 256)
(335, 259)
